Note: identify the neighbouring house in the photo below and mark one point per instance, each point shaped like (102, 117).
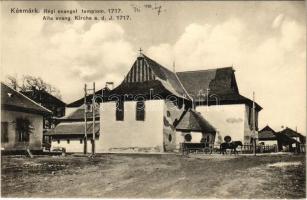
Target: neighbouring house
(21, 121)
(50, 102)
(70, 131)
(267, 136)
(216, 96)
(286, 139)
(294, 135)
(290, 140)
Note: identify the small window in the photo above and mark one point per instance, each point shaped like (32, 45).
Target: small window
(120, 111)
(188, 137)
(68, 141)
(4, 132)
(58, 141)
(23, 129)
(170, 137)
(59, 112)
(140, 111)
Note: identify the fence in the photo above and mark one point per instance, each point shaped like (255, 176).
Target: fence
(248, 148)
(245, 149)
(210, 148)
(303, 148)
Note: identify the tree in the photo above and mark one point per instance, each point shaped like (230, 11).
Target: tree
(12, 81)
(32, 83)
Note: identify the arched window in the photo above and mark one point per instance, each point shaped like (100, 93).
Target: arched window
(140, 111)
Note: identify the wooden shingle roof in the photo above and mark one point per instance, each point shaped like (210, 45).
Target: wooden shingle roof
(194, 121)
(78, 115)
(291, 133)
(147, 74)
(267, 133)
(221, 83)
(80, 101)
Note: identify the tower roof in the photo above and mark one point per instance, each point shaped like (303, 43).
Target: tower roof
(147, 74)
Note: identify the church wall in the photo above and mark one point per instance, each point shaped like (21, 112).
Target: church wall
(247, 127)
(227, 119)
(171, 114)
(196, 136)
(180, 138)
(131, 135)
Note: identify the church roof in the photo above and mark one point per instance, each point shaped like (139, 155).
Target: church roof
(147, 77)
(153, 76)
(194, 121)
(14, 100)
(80, 101)
(168, 78)
(221, 83)
(267, 133)
(78, 115)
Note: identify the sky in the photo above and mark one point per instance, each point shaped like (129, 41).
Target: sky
(264, 41)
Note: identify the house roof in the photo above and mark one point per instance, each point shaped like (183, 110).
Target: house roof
(267, 133)
(285, 136)
(221, 83)
(285, 139)
(194, 121)
(14, 100)
(41, 96)
(78, 115)
(291, 133)
(73, 128)
(80, 101)
(153, 76)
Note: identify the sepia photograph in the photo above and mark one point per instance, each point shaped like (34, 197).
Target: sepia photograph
(153, 99)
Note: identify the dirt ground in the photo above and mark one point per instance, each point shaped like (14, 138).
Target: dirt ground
(154, 176)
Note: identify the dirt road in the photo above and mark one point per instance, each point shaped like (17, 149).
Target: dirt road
(154, 176)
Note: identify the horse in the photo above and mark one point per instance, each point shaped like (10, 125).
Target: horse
(231, 145)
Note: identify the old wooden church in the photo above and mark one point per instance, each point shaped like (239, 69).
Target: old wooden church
(154, 109)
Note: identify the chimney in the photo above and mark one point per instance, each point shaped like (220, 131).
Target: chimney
(110, 83)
